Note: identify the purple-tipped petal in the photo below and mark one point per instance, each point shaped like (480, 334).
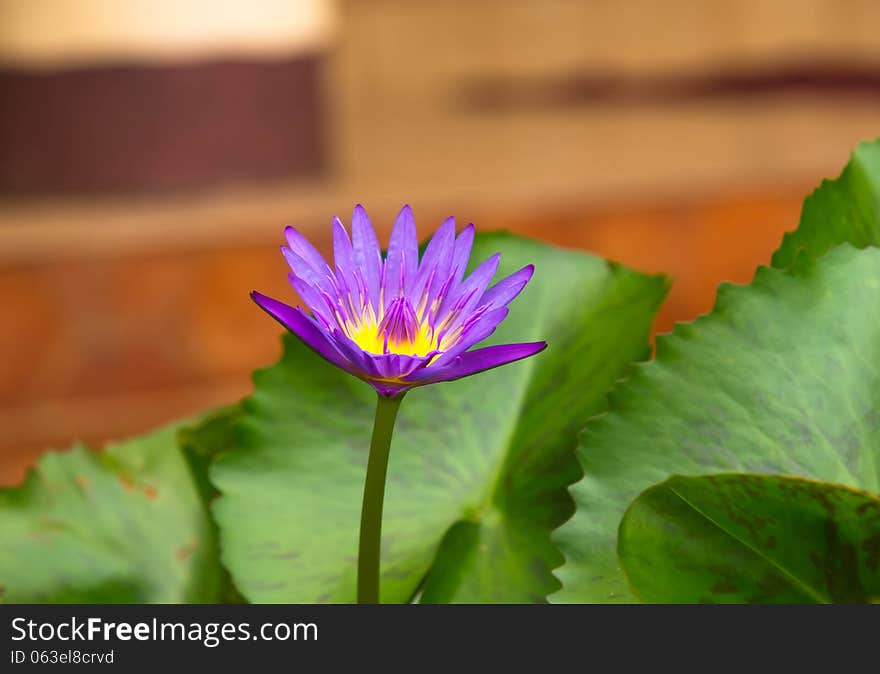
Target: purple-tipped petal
(482, 275)
(478, 360)
(508, 288)
(314, 299)
(305, 250)
(343, 254)
(436, 261)
(474, 332)
(296, 320)
(306, 271)
(462, 252)
(367, 254)
(402, 260)
(468, 296)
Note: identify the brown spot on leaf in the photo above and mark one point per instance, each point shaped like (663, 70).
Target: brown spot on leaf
(842, 569)
(866, 506)
(823, 499)
(186, 551)
(82, 481)
(723, 587)
(130, 485)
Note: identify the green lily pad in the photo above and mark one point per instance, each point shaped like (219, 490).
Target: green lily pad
(123, 525)
(783, 377)
(478, 467)
(845, 210)
(752, 539)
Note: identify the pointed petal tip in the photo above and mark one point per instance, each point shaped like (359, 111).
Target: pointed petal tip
(528, 349)
(278, 310)
(339, 233)
(466, 236)
(405, 217)
(359, 217)
(267, 303)
(447, 225)
(479, 360)
(360, 220)
(292, 235)
(493, 261)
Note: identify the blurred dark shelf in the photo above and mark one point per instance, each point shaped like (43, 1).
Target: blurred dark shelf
(161, 127)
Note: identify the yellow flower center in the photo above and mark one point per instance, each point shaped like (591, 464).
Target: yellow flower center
(398, 327)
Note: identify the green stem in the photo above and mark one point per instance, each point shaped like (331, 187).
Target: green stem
(374, 495)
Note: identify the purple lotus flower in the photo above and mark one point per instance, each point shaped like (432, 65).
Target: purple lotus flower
(400, 322)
